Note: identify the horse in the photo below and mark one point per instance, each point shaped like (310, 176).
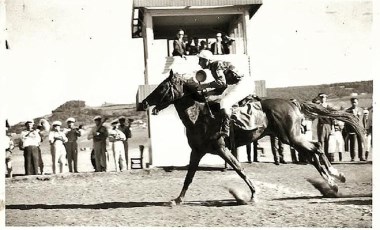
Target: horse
(284, 121)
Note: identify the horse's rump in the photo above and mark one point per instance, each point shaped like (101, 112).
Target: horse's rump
(250, 116)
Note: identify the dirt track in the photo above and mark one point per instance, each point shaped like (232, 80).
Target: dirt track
(140, 198)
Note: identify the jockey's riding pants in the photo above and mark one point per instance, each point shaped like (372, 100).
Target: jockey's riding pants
(238, 92)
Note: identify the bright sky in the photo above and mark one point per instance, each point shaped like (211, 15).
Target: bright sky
(80, 51)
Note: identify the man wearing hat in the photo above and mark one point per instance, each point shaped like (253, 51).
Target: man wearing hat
(99, 134)
(71, 145)
(125, 128)
(179, 45)
(117, 138)
(217, 47)
(325, 127)
(29, 142)
(57, 139)
(353, 138)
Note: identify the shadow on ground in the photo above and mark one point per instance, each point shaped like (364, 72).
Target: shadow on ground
(113, 205)
(342, 200)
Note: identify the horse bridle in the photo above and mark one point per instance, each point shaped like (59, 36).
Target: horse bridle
(170, 90)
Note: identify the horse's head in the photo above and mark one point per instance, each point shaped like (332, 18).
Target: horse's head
(168, 91)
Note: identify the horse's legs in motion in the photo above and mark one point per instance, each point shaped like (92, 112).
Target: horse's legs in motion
(333, 171)
(302, 145)
(195, 158)
(235, 164)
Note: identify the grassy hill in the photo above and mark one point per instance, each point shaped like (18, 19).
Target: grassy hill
(85, 114)
(336, 90)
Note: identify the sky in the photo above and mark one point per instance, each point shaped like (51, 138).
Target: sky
(72, 50)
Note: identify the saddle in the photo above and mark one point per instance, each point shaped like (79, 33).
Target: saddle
(249, 115)
(246, 114)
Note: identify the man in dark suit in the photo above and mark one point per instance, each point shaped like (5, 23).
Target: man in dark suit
(353, 138)
(179, 46)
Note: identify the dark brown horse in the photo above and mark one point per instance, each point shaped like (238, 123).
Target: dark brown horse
(284, 121)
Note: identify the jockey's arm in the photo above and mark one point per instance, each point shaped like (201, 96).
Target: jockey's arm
(219, 83)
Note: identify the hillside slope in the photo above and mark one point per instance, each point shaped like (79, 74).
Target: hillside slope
(85, 114)
(336, 90)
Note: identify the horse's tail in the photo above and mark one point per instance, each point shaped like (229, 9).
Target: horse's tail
(313, 110)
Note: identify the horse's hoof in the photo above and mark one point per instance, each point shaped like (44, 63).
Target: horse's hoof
(334, 188)
(254, 200)
(175, 202)
(241, 202)
(342, 178)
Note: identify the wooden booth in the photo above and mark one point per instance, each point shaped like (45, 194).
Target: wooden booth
(157, 22)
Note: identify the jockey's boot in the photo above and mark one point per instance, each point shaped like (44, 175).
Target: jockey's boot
(225, 129)
(225, 126)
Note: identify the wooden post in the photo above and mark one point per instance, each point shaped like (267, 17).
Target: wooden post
(141, 147)
(148, 43)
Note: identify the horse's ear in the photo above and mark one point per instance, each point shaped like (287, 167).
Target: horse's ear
(171, 73)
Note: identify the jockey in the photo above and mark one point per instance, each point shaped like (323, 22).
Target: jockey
(226, 75)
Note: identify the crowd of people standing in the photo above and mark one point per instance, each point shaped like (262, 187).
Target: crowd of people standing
(63, 144)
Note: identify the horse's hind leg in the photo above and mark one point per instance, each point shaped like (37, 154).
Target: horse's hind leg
(333, 171)
(195, 158)
(223, 152)
(302, 145)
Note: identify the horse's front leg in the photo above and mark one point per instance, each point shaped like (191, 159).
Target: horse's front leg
(235, 164)
(195, 158)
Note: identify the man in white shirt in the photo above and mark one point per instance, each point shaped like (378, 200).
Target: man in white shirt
(117, 138)
(30, 140)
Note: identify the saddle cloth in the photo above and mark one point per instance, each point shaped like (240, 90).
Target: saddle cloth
(249, 116)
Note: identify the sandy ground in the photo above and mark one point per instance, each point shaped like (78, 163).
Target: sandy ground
(140, 198)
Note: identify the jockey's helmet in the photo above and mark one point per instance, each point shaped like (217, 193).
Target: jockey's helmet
(206, 54)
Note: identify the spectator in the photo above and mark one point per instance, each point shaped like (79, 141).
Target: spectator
(9, 146)
(278, 158)
(227, 42)
(40, 160)
(249, 151)
(71, 145)
(126, 129)
(324, 126)
(43, 129)
(57, 139)
(99, 134)
(203, 46)
(179, 47)
(336, 141)
(30, 140)
(117, 138)
(353, 138)
(367, 124)
(193, 46)
(217, 47)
